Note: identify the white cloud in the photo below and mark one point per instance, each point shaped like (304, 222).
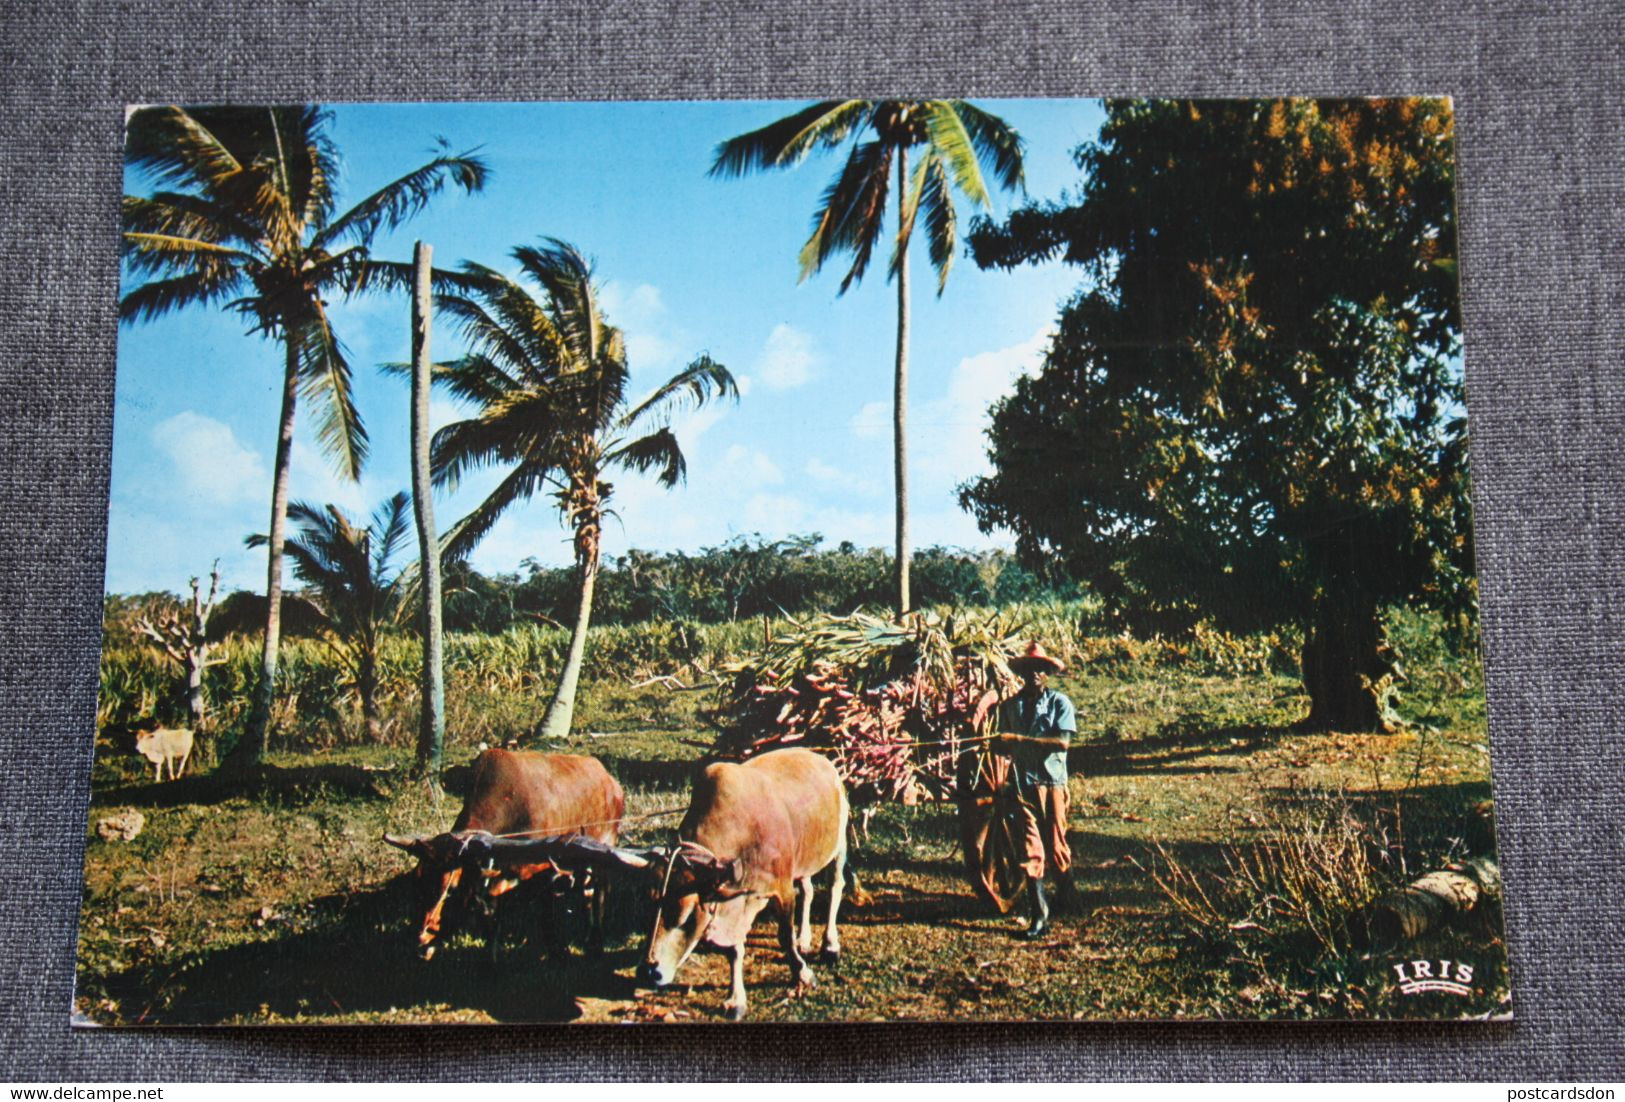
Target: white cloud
(873, 421)
(311, 478)
(787, 359)
(949, 432)
(820, 471)
(639, 311)
(829, 475)
(210, 464)
(745, 468)
(641, 305)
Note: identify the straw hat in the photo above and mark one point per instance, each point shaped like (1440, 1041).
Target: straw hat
(1036, 657)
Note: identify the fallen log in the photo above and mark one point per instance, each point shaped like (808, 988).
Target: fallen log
(1441, 896)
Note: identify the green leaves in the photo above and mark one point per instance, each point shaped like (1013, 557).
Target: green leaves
(954, 141)
(787, 142)
(397, 202)
(851, 213)
(1249, 401)
(690, 388)
(246, 197)
(549, 374)
(657, 451)
(349, 569)
(324, 379)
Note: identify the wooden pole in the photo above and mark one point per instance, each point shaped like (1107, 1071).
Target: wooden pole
(432, 727)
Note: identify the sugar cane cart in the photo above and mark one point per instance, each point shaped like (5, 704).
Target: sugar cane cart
(907, 712)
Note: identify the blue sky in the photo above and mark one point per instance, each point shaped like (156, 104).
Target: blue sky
(687, 264)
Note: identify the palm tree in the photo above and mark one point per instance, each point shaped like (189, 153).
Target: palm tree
(550, 379)
(352, 585)
(244, 218)
(956, 140)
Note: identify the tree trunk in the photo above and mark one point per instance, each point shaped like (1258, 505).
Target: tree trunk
(561, 712)
(1441, 896)
(256, 740)
(197, 661)
(432, 726)
(367, 685)
(900, 388)
(1348, 668)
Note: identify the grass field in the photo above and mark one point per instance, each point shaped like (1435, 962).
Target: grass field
(279, 903)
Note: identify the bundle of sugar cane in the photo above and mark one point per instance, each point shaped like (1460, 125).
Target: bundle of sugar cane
(891, 703)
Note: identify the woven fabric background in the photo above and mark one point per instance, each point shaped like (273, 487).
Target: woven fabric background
(1540, 94)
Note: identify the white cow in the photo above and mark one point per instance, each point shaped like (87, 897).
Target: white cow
(165, 746)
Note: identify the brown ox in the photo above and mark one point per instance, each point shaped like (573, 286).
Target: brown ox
(753, 833)
(514, 793)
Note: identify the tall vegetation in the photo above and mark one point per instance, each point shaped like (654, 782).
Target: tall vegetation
(351, 580)
(550, 376)
(1252, 409)
(243, 215)
(955, 141)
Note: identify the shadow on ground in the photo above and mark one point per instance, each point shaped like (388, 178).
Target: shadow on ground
(270, 783)
(355, 956)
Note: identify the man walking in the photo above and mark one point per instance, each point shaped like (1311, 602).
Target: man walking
(1035, 729)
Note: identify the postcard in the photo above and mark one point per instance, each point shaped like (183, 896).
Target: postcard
(839, 561)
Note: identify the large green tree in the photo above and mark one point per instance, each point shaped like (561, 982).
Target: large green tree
(954, 140)
(243, 215)
(550, 377)
(352, 585)
(1252, 408)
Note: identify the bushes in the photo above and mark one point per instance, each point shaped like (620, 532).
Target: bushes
(743, 579)
(1305, 876)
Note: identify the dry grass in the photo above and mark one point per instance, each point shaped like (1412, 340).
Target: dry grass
(279, 904)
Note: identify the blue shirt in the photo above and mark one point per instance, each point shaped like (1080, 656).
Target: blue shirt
(1049, 716)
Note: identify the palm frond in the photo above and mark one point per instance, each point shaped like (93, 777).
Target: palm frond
(996, 144)
(173, 146)
(566, 275)
(473, 378)
(787, 142)
(660, 450)
(324, 380)
(306, 163)
(151, 253)
(157, 297)
(174, 212)
(520, 484)
(852, 213)
(690, 388)
(348, 567)
(954, 147)
(400, 200)
(934, 201)
(510, 326)
(396, 277)
(391, 522)
(469, 445)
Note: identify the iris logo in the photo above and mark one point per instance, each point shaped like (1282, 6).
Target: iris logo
(1451, 976)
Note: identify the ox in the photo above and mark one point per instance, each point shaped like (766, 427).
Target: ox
(521, 793)
(753, 834)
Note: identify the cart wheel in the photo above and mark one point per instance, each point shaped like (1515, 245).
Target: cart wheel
(991, 829)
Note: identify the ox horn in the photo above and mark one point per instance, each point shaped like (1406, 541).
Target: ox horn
(417, 844)
(708, 865)
(637, 860)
